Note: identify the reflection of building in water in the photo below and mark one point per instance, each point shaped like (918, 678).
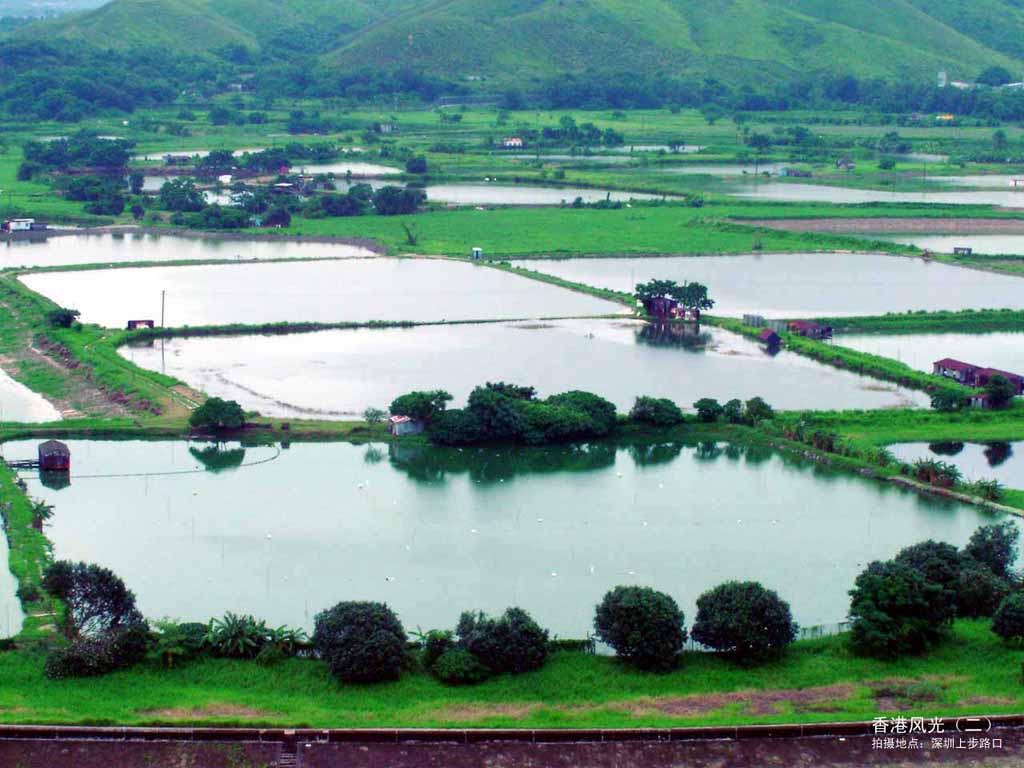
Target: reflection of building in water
(55, 480)
(685, 335)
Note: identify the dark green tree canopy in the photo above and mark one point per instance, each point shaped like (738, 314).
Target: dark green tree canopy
(217, 413)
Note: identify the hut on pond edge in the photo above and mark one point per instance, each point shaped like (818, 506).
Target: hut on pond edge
(403, 425)
(54, 456)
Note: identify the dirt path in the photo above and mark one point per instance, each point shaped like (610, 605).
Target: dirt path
(878, 225)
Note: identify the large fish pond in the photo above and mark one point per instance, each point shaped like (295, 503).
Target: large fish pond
(324, 291)
(19, 403)
(115, 248)
(337, 374)
(803, 284)
(284, 532)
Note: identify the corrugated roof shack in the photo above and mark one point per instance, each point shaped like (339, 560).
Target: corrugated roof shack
(54, 456)
(403, 425)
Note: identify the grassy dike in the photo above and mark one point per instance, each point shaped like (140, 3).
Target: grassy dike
(964, 321)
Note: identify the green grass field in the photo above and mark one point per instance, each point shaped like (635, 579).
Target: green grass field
(818, 680)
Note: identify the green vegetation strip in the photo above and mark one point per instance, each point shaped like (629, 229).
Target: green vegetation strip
(964, 321)
(815, 681)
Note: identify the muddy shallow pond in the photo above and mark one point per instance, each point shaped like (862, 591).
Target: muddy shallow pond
(323, 291)
(1004, 350)
(436, 532)
(338, 374)
(803, 284)
(1000, 461)
(66, 250)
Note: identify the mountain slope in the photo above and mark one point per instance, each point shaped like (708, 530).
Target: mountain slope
(519, 40)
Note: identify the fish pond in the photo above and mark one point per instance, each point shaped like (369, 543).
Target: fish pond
(803, 284)
(197, 530)
(1003, 350)
(1000, 461)
(115, 248)
(823, 193)
(19, 403)
(505, 194)
(991, 245)
(357, 290)
(338, 374)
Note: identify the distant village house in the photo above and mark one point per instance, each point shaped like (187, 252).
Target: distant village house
(403, 425)
(971, 375)
(513, 142)
(810, 330)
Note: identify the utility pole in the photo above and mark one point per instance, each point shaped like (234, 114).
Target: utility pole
(163, 303)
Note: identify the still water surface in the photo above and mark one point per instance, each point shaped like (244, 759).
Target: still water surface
(436, 532)
(804, 284)
(977, 461)
(322, 291)
(1003, 350)
(994, 245)
(337, 374)
(19, 403)
(116, 248)
(822, 193)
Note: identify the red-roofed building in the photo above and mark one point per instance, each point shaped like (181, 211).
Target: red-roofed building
(769, 337)
(957, 370)
(984, 374)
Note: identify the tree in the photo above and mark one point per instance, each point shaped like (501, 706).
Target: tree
(1000, 391)
(978, 591)
(948, 400)
(278, 217)
(693, 297)
(218, 413)
(995, 546)
(424, 406)
(392, 201)
(1008, 621)
(744, 620)
(758, 410)
(181, 195)
(416, 164)
(999, 139)
(894, 610)
(62, 317)
(733, 411)
(600, 412)
(708, 409)
(644, 627)
(994, 76)
(656, 411)
(361, 642)
(135, 182)
(938, 562)
(138, 211)
(373, 415)
(95, 599)
(512, 643)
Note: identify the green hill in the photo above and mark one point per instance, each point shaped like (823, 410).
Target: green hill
(737, 41)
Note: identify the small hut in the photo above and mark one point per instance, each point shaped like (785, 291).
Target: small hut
(54, 456)
(403, 425)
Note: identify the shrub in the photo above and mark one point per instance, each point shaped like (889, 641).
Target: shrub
(938, 562)
(1008, 621)
(117, 648)
(417, 164)
(979, 591)
(218, 413)
(459, 667)
(435, 643)
(656, 411)
(895, 610)
(600, 412)
(708, 409)
(758, 410)
(1000, 391)
(361, 642)
(456, 427)
(995, 546)
(645, 627)
(62, 317)
(425, 406)
(236, 636)
(512, 643)
(29, 593)
(743, 619)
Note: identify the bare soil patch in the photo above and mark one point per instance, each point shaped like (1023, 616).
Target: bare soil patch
(236, 711)
(753, 702)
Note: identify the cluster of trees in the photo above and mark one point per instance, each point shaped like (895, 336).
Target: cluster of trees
(103, 195)
(689, 296)
(502, 412)
(907, 604)
(585, 134)
(734, 411)
(82, 150)
(217, 414)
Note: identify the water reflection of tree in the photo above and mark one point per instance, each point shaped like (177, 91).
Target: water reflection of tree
(374, 455)
(651, 454)
(681, 335)
(708, 450)
(946, 448)
(215, 458)
(430, 464)
(758, 454)
(997, 453)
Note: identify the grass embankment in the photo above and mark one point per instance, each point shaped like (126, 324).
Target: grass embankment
(816, 680)
(920, 425)
(964, 321)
